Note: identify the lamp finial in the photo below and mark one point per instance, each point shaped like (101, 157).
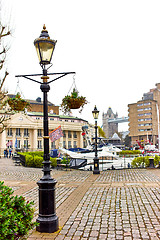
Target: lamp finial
(44, 27)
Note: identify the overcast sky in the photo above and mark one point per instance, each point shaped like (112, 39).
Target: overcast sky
(113, 46)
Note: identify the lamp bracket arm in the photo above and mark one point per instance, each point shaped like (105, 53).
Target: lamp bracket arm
(63, 74)
(57, 78)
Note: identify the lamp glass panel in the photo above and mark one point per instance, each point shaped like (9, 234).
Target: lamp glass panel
(95, 114)
(37, 49)
(46, 50)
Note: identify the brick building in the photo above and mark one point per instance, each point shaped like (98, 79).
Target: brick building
(144, 117)
(37, 105)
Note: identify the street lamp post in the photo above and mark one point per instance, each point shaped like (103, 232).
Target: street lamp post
(47, 219)
(95, 113)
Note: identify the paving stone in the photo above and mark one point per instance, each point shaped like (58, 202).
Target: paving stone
(119, 204)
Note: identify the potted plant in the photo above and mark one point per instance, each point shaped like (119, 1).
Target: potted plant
(73, 101)
(17, 103)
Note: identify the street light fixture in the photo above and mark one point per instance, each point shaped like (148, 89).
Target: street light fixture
(47, 219)
(95, 113)
(44, 47)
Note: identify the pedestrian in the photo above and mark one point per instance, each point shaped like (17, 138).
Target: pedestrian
(6, 153)
(10, 152)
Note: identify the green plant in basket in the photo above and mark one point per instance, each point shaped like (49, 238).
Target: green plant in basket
(17, 104)
(73, 101)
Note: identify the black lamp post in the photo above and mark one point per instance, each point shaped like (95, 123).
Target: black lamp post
(47, 219)
(95, 113)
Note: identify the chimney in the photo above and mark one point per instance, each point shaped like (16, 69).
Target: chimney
(38, 99)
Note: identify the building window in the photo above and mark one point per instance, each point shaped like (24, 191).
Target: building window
(18, 144)
(53, 145)
(147, 119)
(69, 134)
(148, 108)
(18, 132)
(64, 144)
(148, 124)
(9, 132)
(147, 114)
(148, 103)
(140, 120)
(39, 144)
(140, 104)
(140, 115)
(140, 109)
(39, 133)
(140, 125)
(26, 134)
(75, 144)
(69, 144)
(74, 134)
(64, 134)
(26, 144)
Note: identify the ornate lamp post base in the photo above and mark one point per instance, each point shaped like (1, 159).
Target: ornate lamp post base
(47, 219)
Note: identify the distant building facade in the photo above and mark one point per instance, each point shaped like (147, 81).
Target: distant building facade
(144, 116)
(26, 130)
(109, 128)
(37, 105)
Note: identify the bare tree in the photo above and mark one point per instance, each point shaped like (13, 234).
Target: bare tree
(5, 33)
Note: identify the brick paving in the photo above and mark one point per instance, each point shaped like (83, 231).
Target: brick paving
(117, 204)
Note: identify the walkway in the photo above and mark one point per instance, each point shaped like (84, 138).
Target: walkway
(117, 204)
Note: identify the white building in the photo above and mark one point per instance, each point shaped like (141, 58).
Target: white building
(27, 131)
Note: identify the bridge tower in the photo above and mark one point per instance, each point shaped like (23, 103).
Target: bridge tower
(109, 127)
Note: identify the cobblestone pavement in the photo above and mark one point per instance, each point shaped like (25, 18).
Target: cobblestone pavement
(117, 204)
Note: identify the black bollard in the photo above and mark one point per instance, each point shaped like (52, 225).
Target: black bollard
(151, 163)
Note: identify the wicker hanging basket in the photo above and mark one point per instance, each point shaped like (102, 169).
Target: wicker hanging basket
(73, 101)
(17, 103)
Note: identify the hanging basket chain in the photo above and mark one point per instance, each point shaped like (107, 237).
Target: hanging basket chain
(18, 87)
(73, 85)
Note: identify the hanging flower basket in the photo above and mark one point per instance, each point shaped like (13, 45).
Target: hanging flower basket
(73, 102)
(17, 103)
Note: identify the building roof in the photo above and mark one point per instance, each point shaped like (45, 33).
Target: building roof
(115, 137)
(37, 101)
(54, 115)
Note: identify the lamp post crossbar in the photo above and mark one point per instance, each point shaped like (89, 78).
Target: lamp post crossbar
(63, 74)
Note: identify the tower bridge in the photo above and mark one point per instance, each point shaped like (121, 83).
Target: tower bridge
(118, 120)
(110, 122)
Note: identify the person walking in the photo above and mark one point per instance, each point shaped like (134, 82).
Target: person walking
(6, 153)
(10, 152)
